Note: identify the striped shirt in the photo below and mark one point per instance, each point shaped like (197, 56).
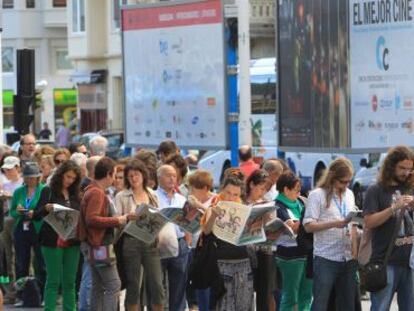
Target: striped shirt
(335, 243)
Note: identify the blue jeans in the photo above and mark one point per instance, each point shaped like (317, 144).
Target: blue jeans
(400, 280)
(203, 299)
(330, 274)
(85, 287)
(177, 270)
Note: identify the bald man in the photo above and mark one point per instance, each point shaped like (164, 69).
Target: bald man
(176, 267)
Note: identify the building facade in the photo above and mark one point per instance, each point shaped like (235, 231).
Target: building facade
(40, 25)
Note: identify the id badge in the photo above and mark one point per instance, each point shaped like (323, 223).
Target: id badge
(26, 225)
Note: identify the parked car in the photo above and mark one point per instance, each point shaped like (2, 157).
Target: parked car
(366, 176)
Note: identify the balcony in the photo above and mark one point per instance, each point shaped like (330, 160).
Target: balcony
(55, 18)
(262, 18)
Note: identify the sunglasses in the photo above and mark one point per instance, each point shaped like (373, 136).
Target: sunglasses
(344, 182)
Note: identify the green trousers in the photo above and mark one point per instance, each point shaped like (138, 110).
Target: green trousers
(296, 288)
(61, 268)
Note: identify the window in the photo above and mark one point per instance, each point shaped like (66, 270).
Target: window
(62, 61)
(8, 4)
(59, 3)
(78, 16)
(117, 12)
(30, 4)
(7, 56)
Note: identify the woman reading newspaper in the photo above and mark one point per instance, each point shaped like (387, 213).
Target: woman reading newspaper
(233, 261)
(265, 272)
(291, 257)
(61, 255)
(137, 254)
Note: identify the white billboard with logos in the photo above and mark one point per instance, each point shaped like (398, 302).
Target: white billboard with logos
(174, 74)
(382, 73)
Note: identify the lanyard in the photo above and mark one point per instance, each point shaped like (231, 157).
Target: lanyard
(341, 207)
(28, 201)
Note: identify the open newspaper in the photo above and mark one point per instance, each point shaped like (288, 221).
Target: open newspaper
(240, 224)
(274, 229)
(151, 220)
(63, 220)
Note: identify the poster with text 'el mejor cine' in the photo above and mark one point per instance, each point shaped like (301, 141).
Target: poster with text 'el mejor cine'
(382, 72)
(174, 74)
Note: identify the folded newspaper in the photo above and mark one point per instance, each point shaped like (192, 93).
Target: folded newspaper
(151, 220)
(240, 224)
(63, 220)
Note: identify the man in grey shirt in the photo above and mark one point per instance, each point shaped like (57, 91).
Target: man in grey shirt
(392, 195)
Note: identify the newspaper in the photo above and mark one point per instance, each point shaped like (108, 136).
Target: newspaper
(188, 217)
(147, 226)
(151, 220)
(229, 225)
(254, 230)
(63, 220)
(275, 229)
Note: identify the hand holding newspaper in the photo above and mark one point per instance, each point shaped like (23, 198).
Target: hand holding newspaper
(240, 224)
(63, 220)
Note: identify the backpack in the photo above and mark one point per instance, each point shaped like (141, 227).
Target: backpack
(31, 294)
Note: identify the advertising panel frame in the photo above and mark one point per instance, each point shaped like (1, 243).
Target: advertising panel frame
(226, 139)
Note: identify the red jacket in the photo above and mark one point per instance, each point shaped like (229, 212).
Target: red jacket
(95, 217)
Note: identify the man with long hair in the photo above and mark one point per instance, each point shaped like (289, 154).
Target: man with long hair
(334, 237)
(390, 196)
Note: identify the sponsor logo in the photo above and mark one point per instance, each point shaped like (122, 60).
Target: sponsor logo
(360, 125)
(203, 135)
(408, 103)
(382, 54)
(168, 134)
(408, 125)
(374, 125)
(195, 120)
(374, 103)
(386, 104)
(147, 134)
(211, 101)
(391, 126)
(397, 101)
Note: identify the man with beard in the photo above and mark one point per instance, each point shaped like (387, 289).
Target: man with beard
(391, 195)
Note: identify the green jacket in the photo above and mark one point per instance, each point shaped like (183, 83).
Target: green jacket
(40, 198)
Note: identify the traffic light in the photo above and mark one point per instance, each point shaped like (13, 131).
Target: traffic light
(25, 101)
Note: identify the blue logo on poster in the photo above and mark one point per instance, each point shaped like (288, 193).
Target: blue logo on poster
(397, 101)
(382, 54)
(195, 120)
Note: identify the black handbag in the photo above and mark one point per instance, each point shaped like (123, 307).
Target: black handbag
(376, 272)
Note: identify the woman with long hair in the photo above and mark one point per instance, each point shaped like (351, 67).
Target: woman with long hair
(136, 254)
(61, 256)
(265, 273)
(334, 246)
(233, 261)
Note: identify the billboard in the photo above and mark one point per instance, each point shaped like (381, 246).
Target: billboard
(174, 73)
(382, 73)
(313, 74)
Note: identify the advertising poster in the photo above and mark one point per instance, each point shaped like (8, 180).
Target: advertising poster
(313, 73)
(382, 72)
(174, 73)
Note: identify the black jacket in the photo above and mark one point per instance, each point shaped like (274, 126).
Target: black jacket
(48, 236)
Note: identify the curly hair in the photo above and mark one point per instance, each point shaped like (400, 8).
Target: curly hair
(56, 184)
(387, 171)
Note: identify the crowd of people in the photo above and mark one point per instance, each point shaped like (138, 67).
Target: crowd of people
(315, 268)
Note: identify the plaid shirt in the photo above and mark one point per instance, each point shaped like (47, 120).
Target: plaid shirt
(335, 243)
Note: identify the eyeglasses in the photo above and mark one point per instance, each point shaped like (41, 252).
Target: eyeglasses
(344, 182)
(58, 162)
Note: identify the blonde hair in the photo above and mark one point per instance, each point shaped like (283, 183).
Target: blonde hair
(338, 169)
